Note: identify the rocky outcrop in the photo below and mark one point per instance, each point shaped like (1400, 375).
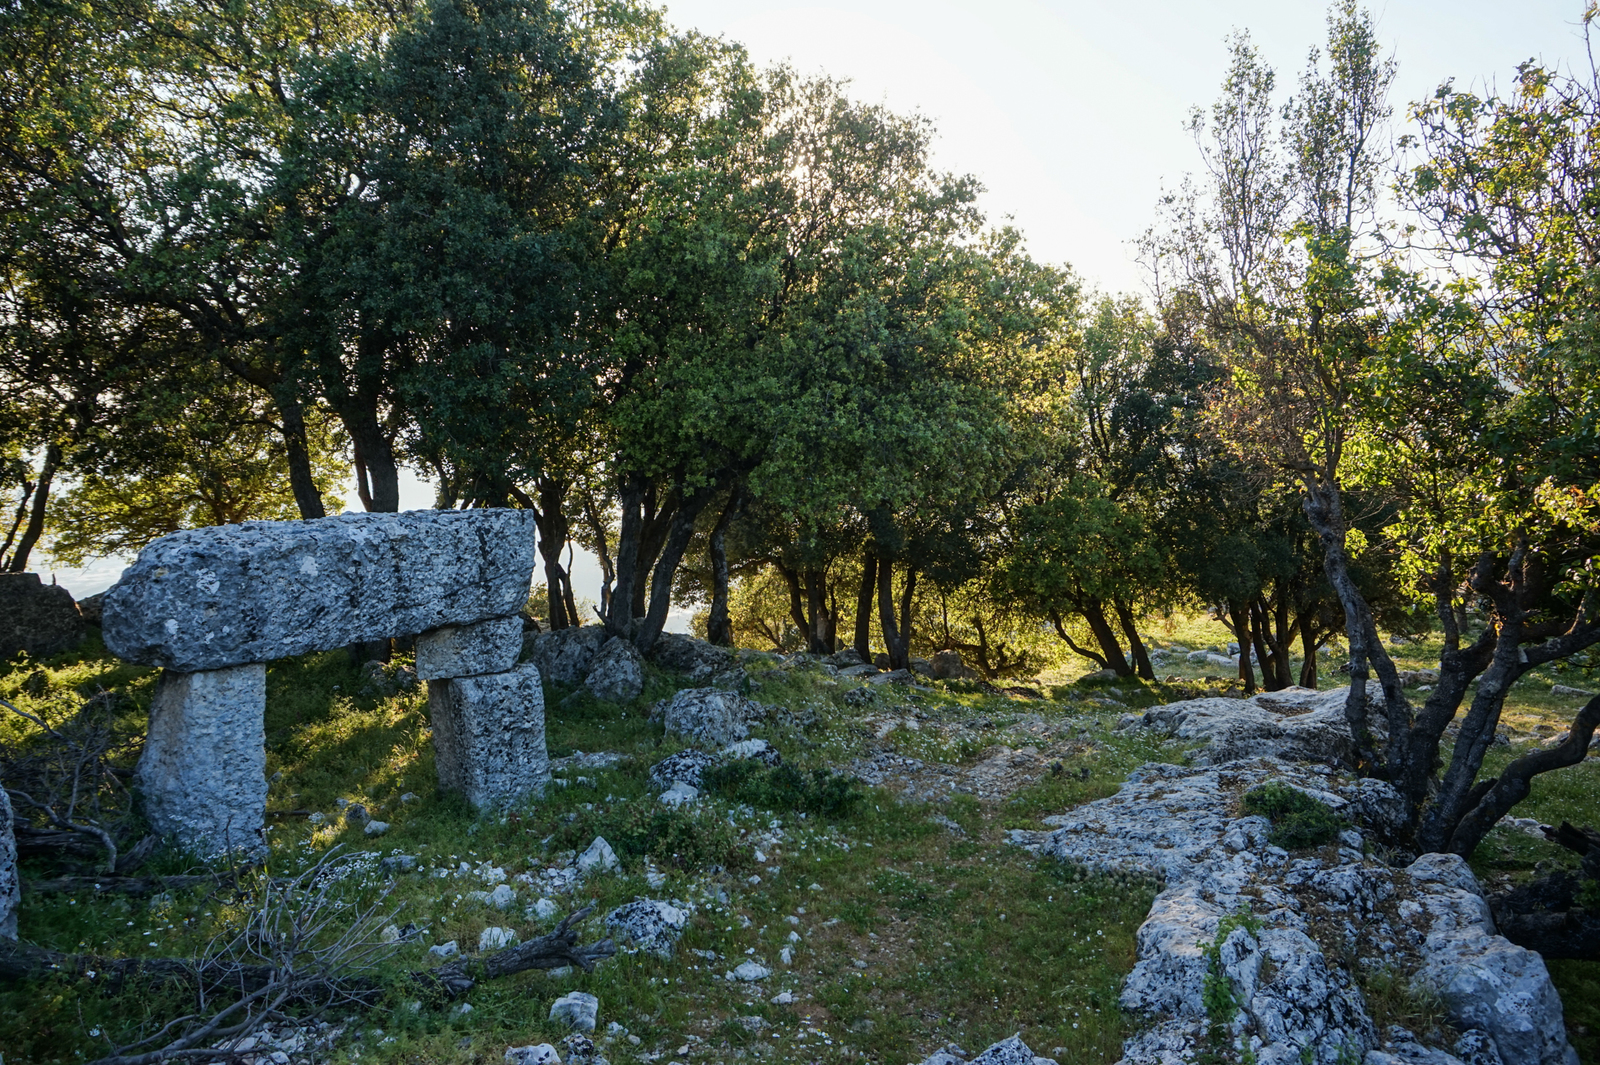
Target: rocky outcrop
(617, 673)
(564, 656)
(1296, 724)
(1290, 936)
(37, 618)
(203, 770)
(10, 879)
(261, 590)
(709, 715)
(650, 924)
(700, 662)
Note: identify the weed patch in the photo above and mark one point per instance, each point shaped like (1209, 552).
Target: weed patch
(1298, 820)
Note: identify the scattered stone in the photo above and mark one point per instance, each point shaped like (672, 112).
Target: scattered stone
(445, 950)
(503, 897)
(577, 1010)
(617, 673)
(709, 715)
(203, 771)
(538, 1054)
(894, 676)
(376, 828)
(91, 607)
(37, 618)
(228, 595)
(754, 751)
(545, 909)
(947, 665)
(399, 863)
(1579, 693)
(488, 736)
(1296, 724)
(681, 767)
(651, 924)
(680, 794)
(564, 656)
(599, 857)
(355, 815)
(494, 938)
(782, 998)
(451, 651)
(10, 879)
(750, 972)
(409, 797)
(1097, 676)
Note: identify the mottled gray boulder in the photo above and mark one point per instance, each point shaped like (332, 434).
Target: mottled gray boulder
(491, 646)
(203, 770)
(35, 617)
(564, 656)
(577, 1010)
(1297, 724)
(10, 880)
(232, 594)
(488, 736)
(617, 673)
(650, 924)
(682, 767)
(697, 660)
(947, 665)
(710, 715)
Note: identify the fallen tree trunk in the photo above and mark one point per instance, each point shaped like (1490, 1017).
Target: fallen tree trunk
(21, 961)
(122, 885)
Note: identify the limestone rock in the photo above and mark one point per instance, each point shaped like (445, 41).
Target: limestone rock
(577, 1010)
(10, 880)
(495, 937)
(35, 617)
(697, 660)
(203, 770)
(599, 858)
(947, 665)
(564, 656)
(1297, 724)
(709, 715)
(750, 972)
(617, 673)
(651, 924)
(536, 1054)
(488, 736)
(754, 751)
(1011, 1051)
(233, 594)
(491, 646)
(679, 794)
(681, 767)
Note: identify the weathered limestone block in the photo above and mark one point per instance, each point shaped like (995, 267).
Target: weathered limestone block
(203, 770)
(10, 880)
(35, 617)
(488, 736)
(491, 646)
(232, 594)
(617, 673)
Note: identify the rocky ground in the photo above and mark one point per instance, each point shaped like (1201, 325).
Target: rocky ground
(1067, 875)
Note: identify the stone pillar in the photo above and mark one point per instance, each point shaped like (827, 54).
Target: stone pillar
(203, 771)
(491, 646)
(10, 879)
(488, 736)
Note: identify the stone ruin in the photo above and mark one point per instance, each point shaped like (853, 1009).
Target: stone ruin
(212, 606)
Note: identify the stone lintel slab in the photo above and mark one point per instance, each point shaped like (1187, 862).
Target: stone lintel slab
(211, 598)
(488, 736)
(491, 646)
(203, 770)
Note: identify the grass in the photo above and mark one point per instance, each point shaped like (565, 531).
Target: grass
(910, 934)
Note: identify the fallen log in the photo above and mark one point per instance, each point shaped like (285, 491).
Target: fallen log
(22, 961)
(122, 885)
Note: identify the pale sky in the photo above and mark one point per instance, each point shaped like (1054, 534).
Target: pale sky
(1071, 112)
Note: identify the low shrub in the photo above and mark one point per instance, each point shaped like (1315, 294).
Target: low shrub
(1298, 820)
(821, 792)
(673, 836)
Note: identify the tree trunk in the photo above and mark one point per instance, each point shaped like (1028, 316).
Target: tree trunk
(797, 610)
(1239, 620)
(820, 631)
(1308, 646)
(41, 498)
(377, 474)
(297, 452)
(1094, 613)
(1283, 641)
(1324, 510)
(658, 517)
(673, 546)
(886, 615)
(1141, 658)
(602, 552)
(719, 630)
(907, 591)
(869, 581)
(1066, 637)
(630, 496)
(553, 532)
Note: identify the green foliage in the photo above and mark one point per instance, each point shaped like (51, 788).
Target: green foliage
(675, 837)
(784, 788)
(1217, 993)
(1298, 820)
